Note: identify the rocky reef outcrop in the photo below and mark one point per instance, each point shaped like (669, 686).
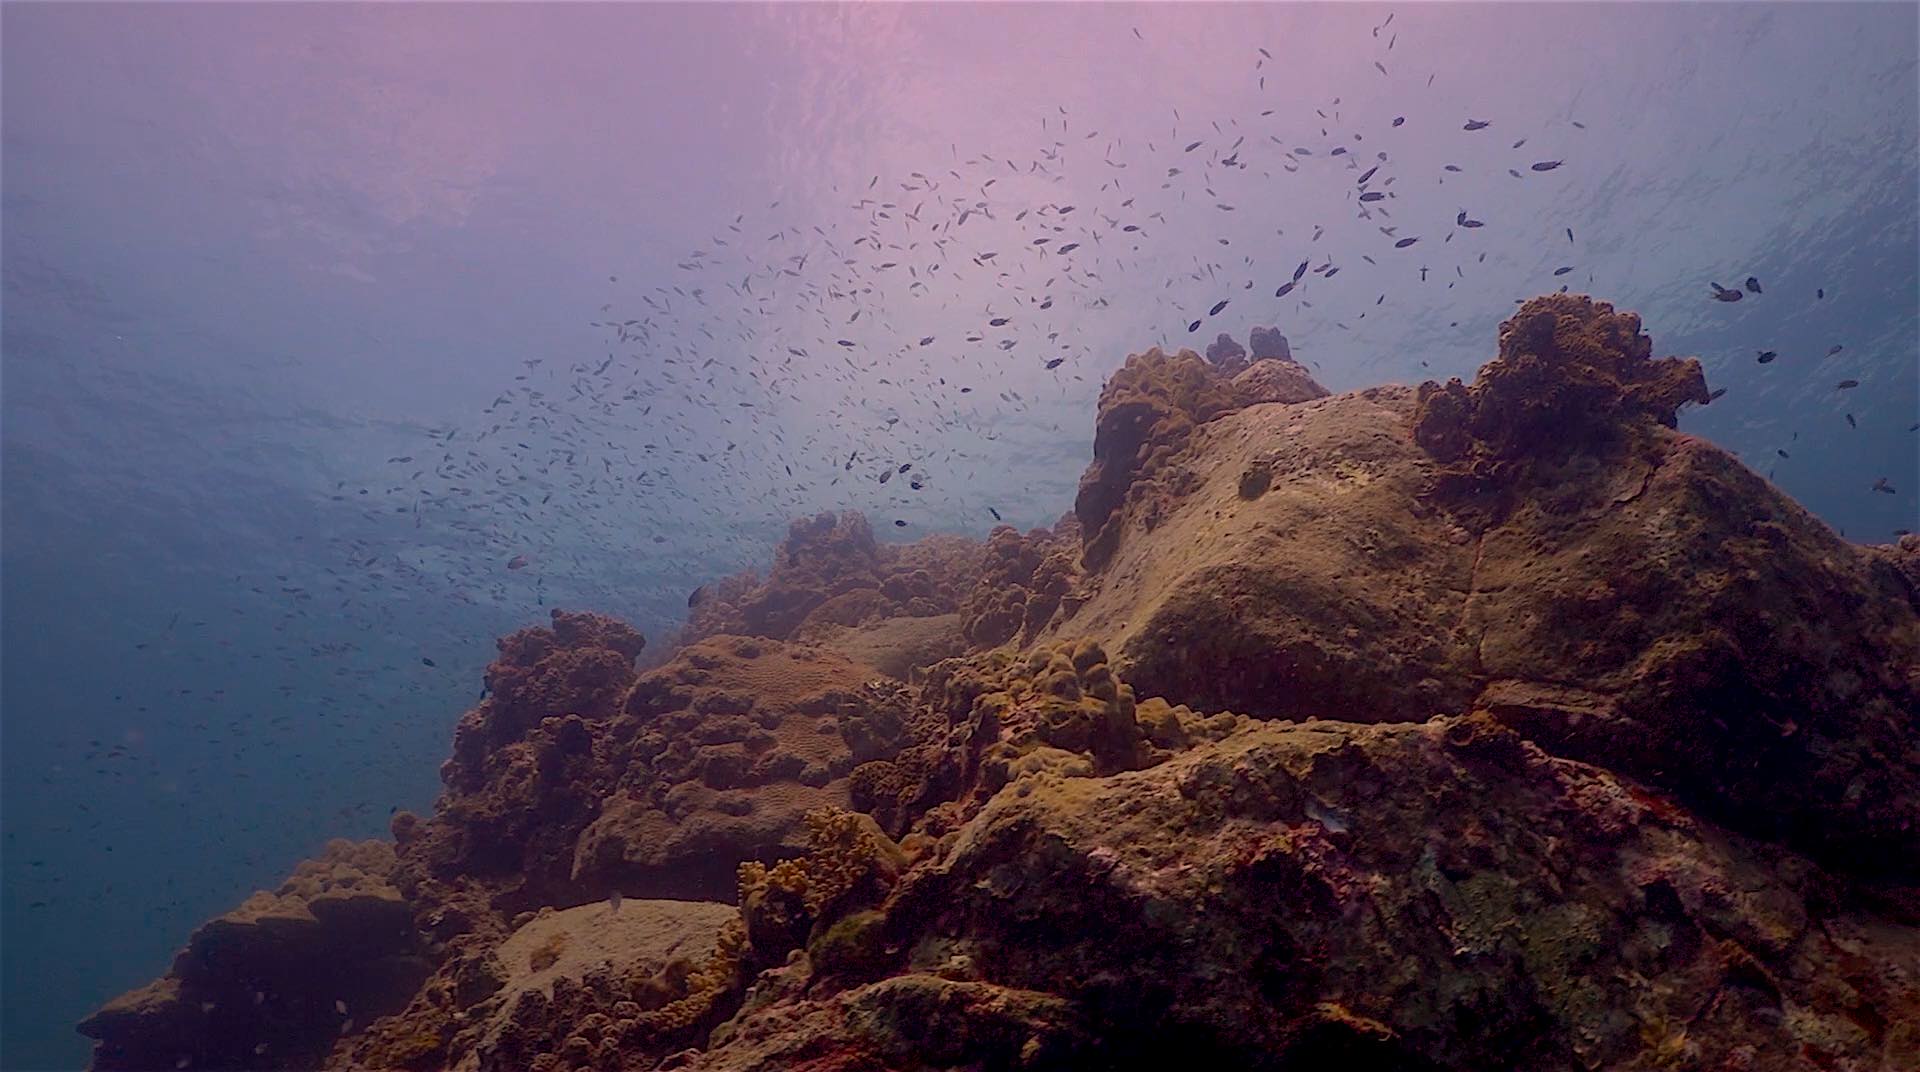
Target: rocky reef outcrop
(273, 983)
(1545, 547)
(1455, 727)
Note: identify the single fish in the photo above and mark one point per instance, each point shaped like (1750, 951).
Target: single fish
(1753, 284)
(1547, 165)
(1846, 385)
(1766, 356)
(1476, 124)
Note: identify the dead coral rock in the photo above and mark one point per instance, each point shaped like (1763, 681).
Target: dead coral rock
(1642, 602)
(646, 953)
(271, 984)
(722, 752)
(899, 647)
(1299, 577)
(1687, 635)
(1572, 377)
(1277, 380)
(831, 571)
(916, 1020)
(1438, 896)
(1148, 411)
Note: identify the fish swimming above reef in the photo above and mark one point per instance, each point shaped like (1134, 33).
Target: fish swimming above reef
(1721, 293)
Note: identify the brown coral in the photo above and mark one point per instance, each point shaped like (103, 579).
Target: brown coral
(831, 571)
(1572, 376)
(272, 983)
(1022, 582)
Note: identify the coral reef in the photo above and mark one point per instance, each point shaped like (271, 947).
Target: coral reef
(1148, 412)
(1625, 774)
(274, 982)
(1572, 377)
(1022, 582)
(831, 571)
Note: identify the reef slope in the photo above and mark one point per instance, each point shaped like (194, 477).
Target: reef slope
(1453, 727)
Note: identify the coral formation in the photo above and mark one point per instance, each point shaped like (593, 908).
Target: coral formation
(831, 571)
(1626, 774)
(1148, 412)
(1022, 582)
(1572, 377)
(272, 983)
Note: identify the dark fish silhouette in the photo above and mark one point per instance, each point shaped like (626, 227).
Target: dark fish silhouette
(1820, 293)
(1193, 327)
(1399, 119)
(1846, 385)
(694, 597)
(1217, 306)
(1404, 243)
(1881, 484)
(1463, 221)
(1056, 362)
(1753, 284)
(1766, 356)
(1721, 293)
(1285, 289)
(1372, 195)
(517, 562)
(1476, 124)
(1300, 271)
(898, 524)
(1834, 349)
(1563, 271)
(1547, 165)
(424, 661)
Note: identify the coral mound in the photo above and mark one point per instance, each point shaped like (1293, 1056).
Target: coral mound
(1572, 376)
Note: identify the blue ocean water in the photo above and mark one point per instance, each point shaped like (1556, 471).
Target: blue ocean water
(316, 318)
